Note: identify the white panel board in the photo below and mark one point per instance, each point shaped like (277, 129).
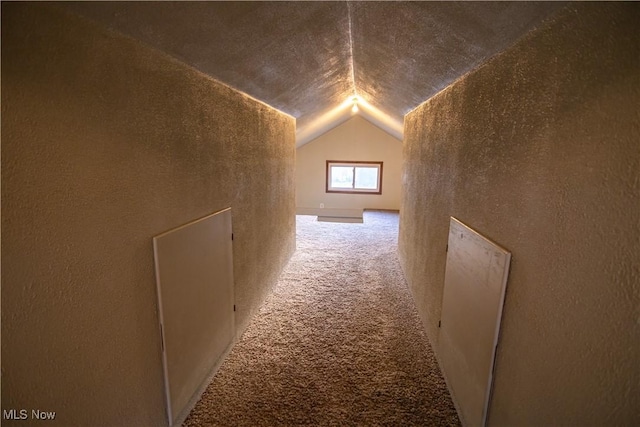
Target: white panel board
(475, 281)
(194, 276)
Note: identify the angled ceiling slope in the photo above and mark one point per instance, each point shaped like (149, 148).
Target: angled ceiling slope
(310, 59)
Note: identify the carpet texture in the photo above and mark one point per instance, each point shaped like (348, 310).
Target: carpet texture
(337, 343)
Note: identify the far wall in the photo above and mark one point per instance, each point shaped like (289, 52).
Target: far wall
(356, 139)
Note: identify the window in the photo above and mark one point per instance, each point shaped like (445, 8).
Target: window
(354, 177)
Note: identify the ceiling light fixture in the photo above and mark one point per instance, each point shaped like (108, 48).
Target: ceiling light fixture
(354, 109)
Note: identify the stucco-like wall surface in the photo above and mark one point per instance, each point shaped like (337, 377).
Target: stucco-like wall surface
(105, 144)
(356, 139)
(539, 150)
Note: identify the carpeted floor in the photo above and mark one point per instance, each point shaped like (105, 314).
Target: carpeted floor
(338, 342)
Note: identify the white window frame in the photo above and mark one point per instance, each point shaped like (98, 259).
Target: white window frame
(354, 164)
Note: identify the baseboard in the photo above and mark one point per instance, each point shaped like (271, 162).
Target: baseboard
(383, 210)
(330, 212)
(340, 219)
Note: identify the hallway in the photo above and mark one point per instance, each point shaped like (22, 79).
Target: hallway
(338, 342)
(124, 120)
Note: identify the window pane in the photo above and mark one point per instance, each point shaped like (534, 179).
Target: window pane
(341, 176)
(354, 177)
(367, 178)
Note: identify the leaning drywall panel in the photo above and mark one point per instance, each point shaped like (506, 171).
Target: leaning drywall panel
(194, 272)
(475, 281)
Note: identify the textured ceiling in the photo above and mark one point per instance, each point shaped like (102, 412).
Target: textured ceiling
(307, 58)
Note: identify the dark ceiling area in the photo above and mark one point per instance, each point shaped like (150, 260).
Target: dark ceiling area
(307, 58)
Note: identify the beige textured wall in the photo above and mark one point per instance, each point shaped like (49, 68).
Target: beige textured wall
(106, 143)
(356, 139)
(539, 150)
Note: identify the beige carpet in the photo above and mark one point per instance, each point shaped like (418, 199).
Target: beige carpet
(338, 343)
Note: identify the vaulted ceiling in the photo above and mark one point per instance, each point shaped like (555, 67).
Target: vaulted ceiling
(310, 59)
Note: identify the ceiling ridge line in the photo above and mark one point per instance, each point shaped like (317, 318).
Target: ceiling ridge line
(351, 62)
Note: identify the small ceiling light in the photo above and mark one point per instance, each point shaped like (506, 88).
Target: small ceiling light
(354, 109)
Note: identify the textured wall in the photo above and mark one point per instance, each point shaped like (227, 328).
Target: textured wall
(356, 139)
(539, 150)
(106, 143)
